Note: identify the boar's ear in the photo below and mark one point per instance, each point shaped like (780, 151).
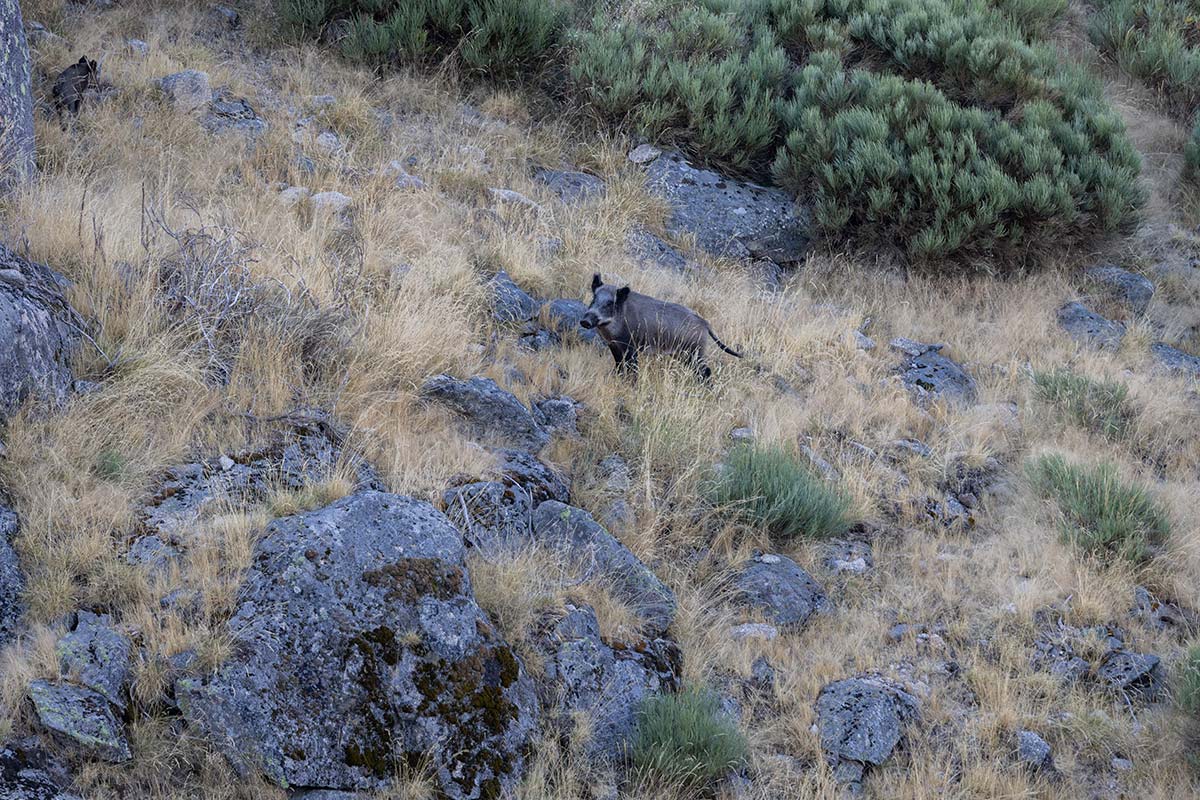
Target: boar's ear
(622, 294)
(83, 62)
(596, 281)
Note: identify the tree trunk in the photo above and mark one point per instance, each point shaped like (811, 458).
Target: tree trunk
(16, 99)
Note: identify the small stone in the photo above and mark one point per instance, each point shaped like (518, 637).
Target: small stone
(782, 591)
(1089, 328)
(137, 48)
(762, 673)
(322, 101)
(571, 187)
(742, 434)
(1034, 751)
(330, 142)
(644, 154)
(1121, 764)
(226, 463)
(188, 90)
(512, 197)
(1175, 360)
(331, 202)
(294, 196)
(754, 630)
(1130, 291)
(226, 16)
(512, 304)
(863, 342)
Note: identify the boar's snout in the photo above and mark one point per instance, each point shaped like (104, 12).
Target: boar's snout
(587, 321)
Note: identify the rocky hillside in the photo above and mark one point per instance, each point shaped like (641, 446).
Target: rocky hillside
(313, 486)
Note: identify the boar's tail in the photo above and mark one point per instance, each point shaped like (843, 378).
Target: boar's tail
(723, 346)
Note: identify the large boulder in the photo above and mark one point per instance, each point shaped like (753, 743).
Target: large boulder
(860, 721)
(40, 333)
(81, 718)
(602, 681)
(929, 374)
(590, 548)
(1089, 328)
(98, 656)
(777, 587)
(488, 413)
(729, 217)
(16, 99)
(359, 649)
(12, 580)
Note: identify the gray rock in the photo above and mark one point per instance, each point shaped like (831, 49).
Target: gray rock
(1089, 328)
(334, 203)
(511, 302)
(151, 553)
(571, 187)
(594, 551)
(863, 342)
(98, 656)
(1121, 764)
(307, 453)
(488, 413)
(16, 101)
(648, 250)
(603, 682)
(81, 717)
(359, 645)
(294, 196)
(565, 315)
(12, 579)
(1130, 291)
(329, 794)
(900, 449)
(1034, 751)
(491, 515)
(1139, 676)
(729, 217)
(777, 586)
(1175, 360)
(224, 16)
(229, 114)
(40, 333)
(22, 780)
(929, 374)
(762, 673)
(188, 90)
(1162, 615)
(847, 556)
(644, 154)
(137, 48)
(558, 415)
(513, 198)
(615, 473)
(753, 630)
(860, 721)
(540, 480)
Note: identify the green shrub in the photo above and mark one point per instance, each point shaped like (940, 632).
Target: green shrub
(1099, 513)
(934, 124)
(683, 741)
(772, 487)
(1157, 41)
(1187, 692)
(1099, 406)
(499, 37)
(1191, 153)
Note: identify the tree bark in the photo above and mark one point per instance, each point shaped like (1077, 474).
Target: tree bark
(16, 99)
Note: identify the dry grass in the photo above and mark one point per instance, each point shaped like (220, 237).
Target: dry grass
(356, 333)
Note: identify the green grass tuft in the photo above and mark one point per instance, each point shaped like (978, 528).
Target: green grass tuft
(1101, 514)
(1099, 406)
(1187, 690)
(772, 487)
(684, 742)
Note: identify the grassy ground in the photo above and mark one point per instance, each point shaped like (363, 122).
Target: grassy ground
(352, 333)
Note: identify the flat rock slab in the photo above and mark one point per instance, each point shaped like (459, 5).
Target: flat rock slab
(1089, 328)
(359, 648)
(593, 550)
(81, 717)
(930, 375)
(98, 656)
(729, 217)
(777, 587)
(488, 413)
(604, 682)
(39, 331)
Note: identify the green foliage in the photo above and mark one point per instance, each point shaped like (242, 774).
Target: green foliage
(1157, 41)
(1187, 691)
(772, 487)
(498, 37)
(1099, 513)
(1099, 406)
(682, 741)
(111, 465)
(934, 124)
(1191, 153)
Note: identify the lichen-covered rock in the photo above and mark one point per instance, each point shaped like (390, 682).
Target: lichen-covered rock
(605, 682)
(1034, 751)
(1128, 290)
(777, 586)
(12, 579)
(558, 415)
(849, 556)
(40, 334)
(360, 648)
(305, 453)
(648, 250)
(1089, 328)
(860, 721)
(929, 374)
(571, 187)
(1175, 360)
(729, 217)
(98, 656)
(1139, 676)
(16, 99)
(491, 515)
(230, 114)
(188, 90)
(82, 718)
(574, 533)
(512, 304)
(21, 780)
(488, 413)
(542, 481)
